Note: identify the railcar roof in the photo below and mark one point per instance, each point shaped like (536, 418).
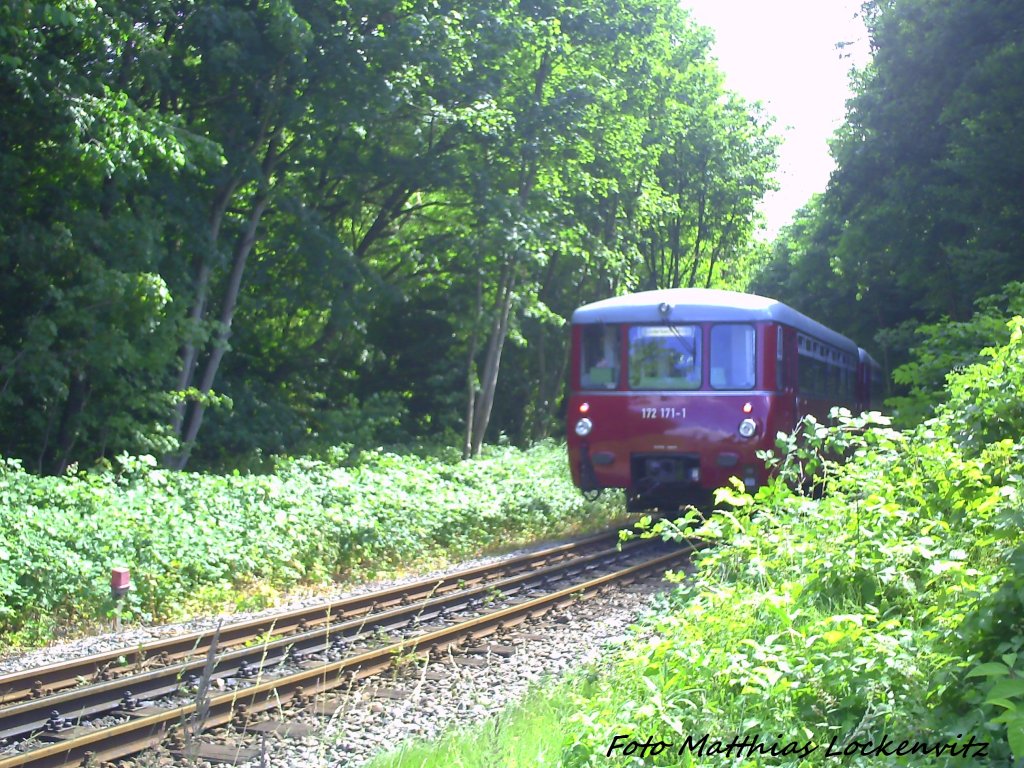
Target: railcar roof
(701, 305)
(865, 357)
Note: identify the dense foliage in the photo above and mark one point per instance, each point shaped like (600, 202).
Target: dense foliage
(238, 230)
(923, 214)
(235, 230)
(195, 541)
(949, 346)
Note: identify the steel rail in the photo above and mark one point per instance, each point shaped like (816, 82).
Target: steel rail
(149, 729)
(43, 680)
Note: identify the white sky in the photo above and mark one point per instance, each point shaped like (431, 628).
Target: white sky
(783, 54)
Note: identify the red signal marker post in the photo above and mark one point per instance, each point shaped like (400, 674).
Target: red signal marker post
(120, 583)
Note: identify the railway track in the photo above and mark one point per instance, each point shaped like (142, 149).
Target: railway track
(52, 678)
(182, 685)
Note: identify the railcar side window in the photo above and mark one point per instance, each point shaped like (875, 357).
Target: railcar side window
(732, 357)
(664, 357)
(599, 366)
(824, 370)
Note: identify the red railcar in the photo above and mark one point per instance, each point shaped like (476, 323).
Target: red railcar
(673, 392)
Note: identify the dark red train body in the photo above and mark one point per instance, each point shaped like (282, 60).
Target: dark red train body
(673, 392)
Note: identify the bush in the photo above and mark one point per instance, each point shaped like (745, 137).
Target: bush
(192, 540)
(946, 347)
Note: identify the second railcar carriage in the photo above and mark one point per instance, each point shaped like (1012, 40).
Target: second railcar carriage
(673, 392)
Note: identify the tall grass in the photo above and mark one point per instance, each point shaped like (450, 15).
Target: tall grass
(525, 735)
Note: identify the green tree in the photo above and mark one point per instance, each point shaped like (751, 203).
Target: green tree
(333, 219)
(922, 215)
(84, 320)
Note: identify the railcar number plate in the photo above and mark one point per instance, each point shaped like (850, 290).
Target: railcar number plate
(662, 413)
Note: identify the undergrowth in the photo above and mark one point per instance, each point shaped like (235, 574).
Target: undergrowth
(195, 540)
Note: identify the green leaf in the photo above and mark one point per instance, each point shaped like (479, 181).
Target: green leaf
(1015, 735)
(1007, 688)
(989, 669)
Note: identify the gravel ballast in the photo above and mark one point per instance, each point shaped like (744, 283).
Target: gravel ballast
(368, 724)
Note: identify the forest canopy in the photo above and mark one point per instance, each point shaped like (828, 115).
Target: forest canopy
(235, 230)
(238, 229)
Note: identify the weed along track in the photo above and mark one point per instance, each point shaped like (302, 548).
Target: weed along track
(170, 692)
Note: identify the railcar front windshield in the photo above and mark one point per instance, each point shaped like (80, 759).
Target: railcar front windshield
(732, 362)
(665, 357)
(599, 360)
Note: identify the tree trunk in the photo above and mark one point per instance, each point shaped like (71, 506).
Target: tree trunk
(471, 377)
(189, 350)
(243, 247)
(506, 284)
(723, 239)
(59, 458)
(492, 363)
(698, 242)
(190, 415)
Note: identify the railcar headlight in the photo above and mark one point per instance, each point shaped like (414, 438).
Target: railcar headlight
(583, 427)
(748, 427)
